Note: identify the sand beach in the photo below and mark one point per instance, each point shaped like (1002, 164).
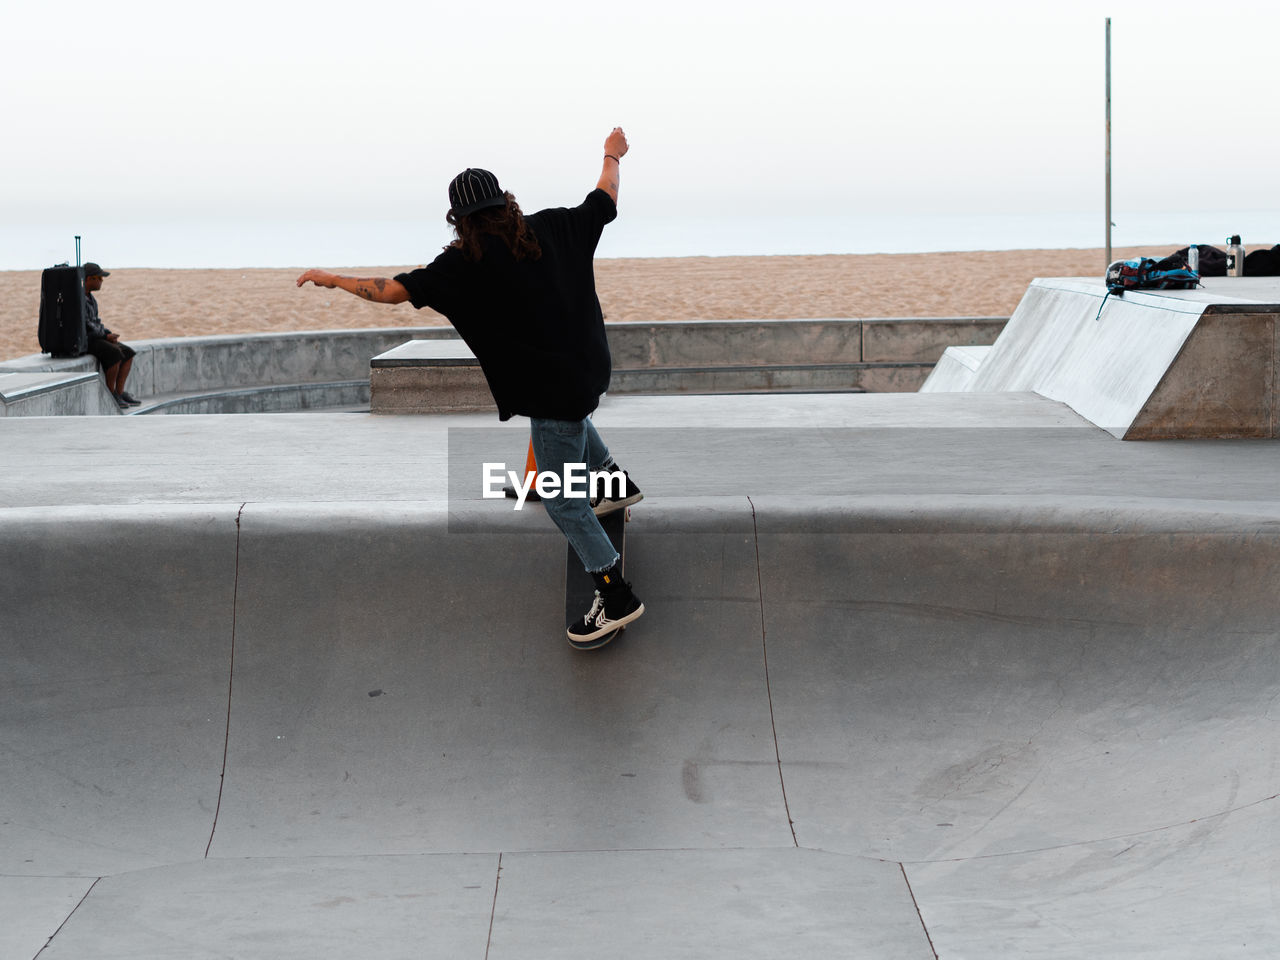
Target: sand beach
(142, 304)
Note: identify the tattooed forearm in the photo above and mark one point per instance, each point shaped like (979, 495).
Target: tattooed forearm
(366, 287)
(377, 289)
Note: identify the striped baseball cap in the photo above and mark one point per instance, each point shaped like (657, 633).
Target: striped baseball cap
(474, 189)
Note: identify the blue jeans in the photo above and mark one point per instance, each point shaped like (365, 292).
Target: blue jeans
(556, 443)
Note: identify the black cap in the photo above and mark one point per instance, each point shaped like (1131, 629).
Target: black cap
(91, 269)
(474, 189)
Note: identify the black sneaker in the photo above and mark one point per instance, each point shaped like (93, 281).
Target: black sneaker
(612, 609)
(608, 504)
(130, 399)
(121, 402)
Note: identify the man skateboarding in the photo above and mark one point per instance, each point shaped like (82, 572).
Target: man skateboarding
(520, 290)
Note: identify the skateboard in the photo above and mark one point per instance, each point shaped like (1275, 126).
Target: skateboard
(579, 587)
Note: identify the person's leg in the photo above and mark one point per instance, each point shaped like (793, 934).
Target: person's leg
(597, 454)
(108, 358)
(127, 353)
(608, 495)
(555, 444)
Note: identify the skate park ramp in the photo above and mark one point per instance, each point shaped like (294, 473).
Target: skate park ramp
(908, 686)
(1164, 364)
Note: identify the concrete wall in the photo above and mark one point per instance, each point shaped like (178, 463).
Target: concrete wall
(175, 364)
(225, 373)
(828, 355)
(247, 373)
(1222, 384)
(184, 364)
(773, 378)
(44, 394)
(708, 343)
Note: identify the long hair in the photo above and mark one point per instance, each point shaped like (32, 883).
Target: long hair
(505, 222)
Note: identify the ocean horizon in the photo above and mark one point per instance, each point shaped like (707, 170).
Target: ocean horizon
(284, 243)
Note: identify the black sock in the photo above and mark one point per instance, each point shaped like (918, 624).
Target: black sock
(609, 578)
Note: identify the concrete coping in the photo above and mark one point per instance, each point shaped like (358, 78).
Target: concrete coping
(275, 341)
(1214, 295)
(429, 353)
(21, 386)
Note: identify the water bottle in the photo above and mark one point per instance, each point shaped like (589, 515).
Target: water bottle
(1193, 258)
(1235, 257)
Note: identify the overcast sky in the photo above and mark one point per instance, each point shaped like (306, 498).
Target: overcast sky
(250, 111)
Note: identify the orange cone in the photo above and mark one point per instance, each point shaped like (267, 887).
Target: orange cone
(530, 465)
(530, 477)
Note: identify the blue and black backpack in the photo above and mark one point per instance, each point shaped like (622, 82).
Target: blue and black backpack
(1144, 273)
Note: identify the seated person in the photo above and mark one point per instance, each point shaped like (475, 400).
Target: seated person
(116, 357)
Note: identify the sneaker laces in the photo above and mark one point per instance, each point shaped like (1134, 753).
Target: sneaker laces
(596, 606)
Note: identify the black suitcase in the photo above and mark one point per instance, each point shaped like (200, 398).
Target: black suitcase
(62, 308)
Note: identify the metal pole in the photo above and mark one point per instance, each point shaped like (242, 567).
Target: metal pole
(1108, 142)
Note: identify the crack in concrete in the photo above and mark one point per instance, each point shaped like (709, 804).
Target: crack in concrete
(764, 644)
(493, 911)
(231, 675)
(919, 915)
(78, 905)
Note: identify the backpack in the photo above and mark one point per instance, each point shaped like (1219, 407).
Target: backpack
(1144, 273)
(1213, 262)
(1263, 263)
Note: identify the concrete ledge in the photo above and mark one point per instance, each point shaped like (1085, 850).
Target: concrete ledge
(52, 394)
(184, 364)
(710, 343)
(1146, 365)
(436, 353)
(924, 340)
(187, 374)
(441, 376)
(428, 376)
(827, 355)
(773, 378)
(43, 363)
(249, 372)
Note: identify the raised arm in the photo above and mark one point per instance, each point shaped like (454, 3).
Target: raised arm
(377, 289)
(615, 148)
